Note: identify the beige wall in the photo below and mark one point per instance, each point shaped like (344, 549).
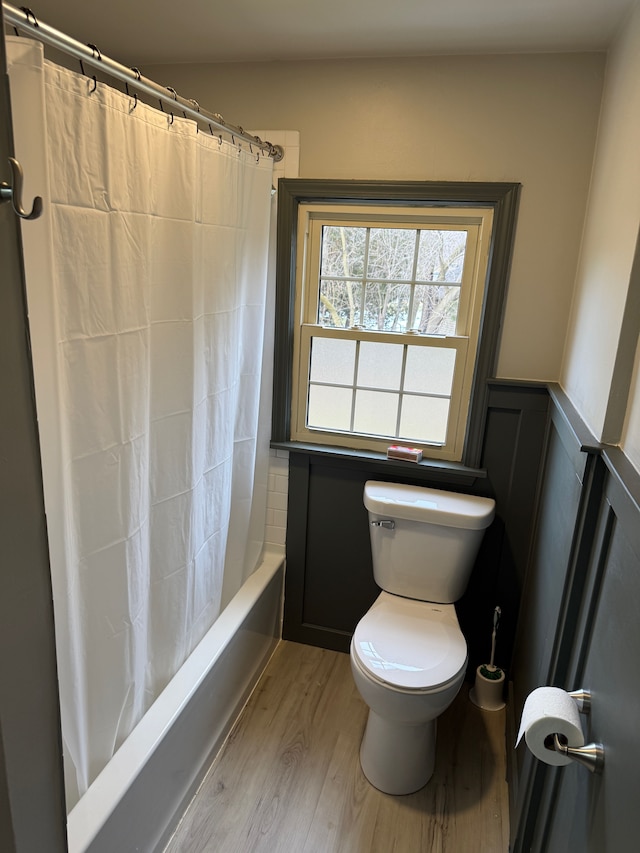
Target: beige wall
(602, 293)
(531, 119)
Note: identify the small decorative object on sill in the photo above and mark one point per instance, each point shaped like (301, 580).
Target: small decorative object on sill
(409, 454)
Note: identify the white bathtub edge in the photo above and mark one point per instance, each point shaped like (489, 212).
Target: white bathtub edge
(93, 810)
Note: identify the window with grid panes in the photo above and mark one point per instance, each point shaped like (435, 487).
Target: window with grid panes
(389, 303)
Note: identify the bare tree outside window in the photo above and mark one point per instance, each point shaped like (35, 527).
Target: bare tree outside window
(391, 279)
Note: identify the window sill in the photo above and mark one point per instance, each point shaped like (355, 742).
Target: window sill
(454, 473)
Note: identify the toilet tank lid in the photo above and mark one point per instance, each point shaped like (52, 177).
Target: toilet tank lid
(433, 506)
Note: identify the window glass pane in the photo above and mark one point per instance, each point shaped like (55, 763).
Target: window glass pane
(339, 303)
(329, 408)
(429, 370)
(343, 251)
(380, 365)
(435, 309)
(332, 361)
(386, 307)
(376, 413)
(424, 419)
(391, 253)
(441, 255)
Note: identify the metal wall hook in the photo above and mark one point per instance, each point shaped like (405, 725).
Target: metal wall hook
(590, 756)
(13, 192)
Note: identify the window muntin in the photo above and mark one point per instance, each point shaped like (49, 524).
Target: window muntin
(380, 388)
(391, 279)
(389, 305)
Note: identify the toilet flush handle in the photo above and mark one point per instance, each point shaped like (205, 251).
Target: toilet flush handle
(388, 523)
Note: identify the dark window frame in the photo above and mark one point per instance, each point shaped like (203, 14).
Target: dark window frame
(500, 197)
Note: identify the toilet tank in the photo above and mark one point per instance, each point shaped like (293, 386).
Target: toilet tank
(424, 541)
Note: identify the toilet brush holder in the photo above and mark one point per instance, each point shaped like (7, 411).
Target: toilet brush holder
(487, 691)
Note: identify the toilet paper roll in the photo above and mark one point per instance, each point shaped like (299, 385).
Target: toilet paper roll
(546, 711)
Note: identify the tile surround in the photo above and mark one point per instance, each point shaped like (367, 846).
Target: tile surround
(278, 481)
(277, 493)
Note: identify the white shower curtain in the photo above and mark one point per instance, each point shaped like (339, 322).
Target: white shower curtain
(146, 282)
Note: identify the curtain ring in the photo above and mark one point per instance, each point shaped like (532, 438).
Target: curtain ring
(95, 51)
(196, 105)
(170, 119)
(136, 71)
(95, 85)
(173, 92)
(29, 14)
(220, 141)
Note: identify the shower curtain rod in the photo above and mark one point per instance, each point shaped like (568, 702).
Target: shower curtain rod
(24, 19)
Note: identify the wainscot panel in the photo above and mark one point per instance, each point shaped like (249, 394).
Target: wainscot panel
(569, 495)
(595, 648)
(329, 580)
(578, 809)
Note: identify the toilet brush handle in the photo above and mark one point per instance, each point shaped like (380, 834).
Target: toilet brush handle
(496, 618)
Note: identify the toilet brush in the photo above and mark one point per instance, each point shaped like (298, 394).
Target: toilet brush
(487, 690)
(490, 670)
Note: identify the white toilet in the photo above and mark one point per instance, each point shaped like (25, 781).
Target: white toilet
(408, 654)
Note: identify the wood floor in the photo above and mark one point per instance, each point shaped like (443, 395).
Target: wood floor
(288, 780)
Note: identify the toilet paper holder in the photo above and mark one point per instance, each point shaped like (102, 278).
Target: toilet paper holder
(591, 755)
(582, 699)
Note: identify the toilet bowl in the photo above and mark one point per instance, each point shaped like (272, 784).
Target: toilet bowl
(408, 660)
(408, 654)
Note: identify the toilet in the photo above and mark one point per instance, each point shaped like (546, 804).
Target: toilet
(408, 654)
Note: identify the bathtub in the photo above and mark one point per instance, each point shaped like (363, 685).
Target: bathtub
(138, 799)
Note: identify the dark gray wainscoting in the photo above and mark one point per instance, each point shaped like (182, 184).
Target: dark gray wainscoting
(329, 580)
(595, 647)
(570, 491)
(599, 652)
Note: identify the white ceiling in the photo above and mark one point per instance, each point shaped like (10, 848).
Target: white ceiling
(156, 31)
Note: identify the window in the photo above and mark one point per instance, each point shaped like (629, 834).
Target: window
(392, 309)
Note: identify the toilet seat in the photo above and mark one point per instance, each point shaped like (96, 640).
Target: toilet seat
(410, 645)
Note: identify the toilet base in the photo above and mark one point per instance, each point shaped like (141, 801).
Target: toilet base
(398, 758)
